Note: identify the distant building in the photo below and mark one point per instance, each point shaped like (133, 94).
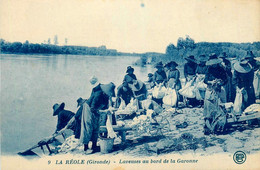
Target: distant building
(103, 47)
(55, 40)
(66, 41)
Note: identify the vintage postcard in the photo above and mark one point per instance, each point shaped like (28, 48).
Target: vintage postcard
(130, 84)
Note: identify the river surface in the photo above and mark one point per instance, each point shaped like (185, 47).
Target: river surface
(32, 84)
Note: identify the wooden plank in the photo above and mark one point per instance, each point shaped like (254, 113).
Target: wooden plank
(48, 139)
(105, 111)
(244, 118)
(123, 136)
(47, 145)
(116, 128)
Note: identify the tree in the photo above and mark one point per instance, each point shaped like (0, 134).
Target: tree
(180, 43)
(170, 50)
(189, 42)
(186, 43)
(16, 47)
(26, 47)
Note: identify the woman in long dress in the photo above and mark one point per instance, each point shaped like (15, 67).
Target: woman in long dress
(243, 80)
(173, 78)
(215, 79)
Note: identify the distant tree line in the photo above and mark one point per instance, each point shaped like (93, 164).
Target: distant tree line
(30, 48)
(187, 46)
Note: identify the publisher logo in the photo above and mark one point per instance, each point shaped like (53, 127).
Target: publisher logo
(239, 157)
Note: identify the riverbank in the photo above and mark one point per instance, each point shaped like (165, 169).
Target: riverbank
(47, 48)
(186, 140)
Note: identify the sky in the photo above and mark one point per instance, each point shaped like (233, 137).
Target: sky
(130, 25)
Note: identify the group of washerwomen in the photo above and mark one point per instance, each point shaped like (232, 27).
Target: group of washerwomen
(86, 122)
(223, 81)
(216, 72)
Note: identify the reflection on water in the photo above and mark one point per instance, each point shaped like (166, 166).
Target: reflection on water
(31, 84)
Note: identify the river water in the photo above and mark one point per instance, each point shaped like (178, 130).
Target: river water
(32, 84)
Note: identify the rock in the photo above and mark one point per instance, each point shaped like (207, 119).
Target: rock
(165, 143)
(200, 151)
(214, 149)
(233, 144)
(239, 135)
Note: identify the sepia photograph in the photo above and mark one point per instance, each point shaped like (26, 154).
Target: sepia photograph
(130, 84)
